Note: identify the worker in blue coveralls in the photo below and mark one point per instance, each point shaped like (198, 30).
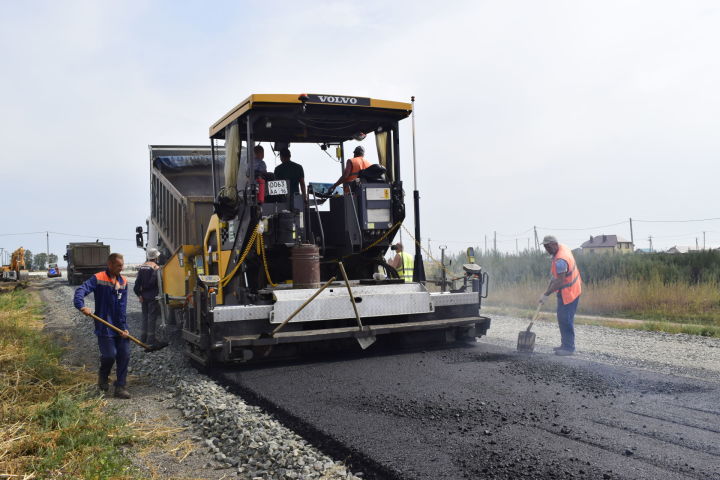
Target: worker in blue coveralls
(111, 292)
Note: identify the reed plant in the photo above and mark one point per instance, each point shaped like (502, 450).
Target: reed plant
(683, 288)
(652, 299)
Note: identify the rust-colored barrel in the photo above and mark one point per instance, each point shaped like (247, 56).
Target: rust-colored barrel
(305, 266)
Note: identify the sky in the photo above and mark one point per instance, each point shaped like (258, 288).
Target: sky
(568, 116)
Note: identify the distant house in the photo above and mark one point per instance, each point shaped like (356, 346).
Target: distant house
(681, 249)
(607, 244)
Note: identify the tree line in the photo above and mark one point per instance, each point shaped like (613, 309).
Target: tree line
(39, 261)
(692, 267)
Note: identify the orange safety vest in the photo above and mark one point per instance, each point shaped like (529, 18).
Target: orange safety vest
(357, 164)
(573, 283)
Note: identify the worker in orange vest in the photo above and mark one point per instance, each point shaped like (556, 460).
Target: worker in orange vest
(567, 283)
(352, 168)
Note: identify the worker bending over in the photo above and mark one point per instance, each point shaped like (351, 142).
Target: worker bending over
(566, 282)
(352, 168)
(402, 262)
(110, 291)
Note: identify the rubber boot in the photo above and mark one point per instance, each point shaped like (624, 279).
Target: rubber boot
(106, 365)
(103, 383)
(121, 392)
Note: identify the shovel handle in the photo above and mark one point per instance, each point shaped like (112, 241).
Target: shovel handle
(537, 313)
(282, 325)
(352, 298)
(121, 332)
(535, 316)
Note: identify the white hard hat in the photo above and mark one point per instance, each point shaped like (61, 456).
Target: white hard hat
(152, 253)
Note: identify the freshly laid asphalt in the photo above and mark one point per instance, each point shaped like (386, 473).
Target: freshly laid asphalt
(484, 411)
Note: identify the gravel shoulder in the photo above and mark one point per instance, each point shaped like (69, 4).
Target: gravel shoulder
(674, 354)
(214, 434)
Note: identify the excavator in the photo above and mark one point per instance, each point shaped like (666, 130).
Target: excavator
(16, 270)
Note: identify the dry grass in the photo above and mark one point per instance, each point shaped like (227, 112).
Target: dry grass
(695, 306)
(51, 425)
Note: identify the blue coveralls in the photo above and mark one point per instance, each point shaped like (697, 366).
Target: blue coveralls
(110, 305)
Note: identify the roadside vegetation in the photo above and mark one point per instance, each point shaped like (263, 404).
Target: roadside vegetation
(675, 293)
(52, 425)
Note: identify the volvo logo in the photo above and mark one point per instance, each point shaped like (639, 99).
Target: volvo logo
(338, 100)
(326, 99)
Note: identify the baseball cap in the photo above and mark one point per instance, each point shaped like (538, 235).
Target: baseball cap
(549, 239)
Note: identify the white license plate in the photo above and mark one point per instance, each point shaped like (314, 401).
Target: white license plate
(277, 187)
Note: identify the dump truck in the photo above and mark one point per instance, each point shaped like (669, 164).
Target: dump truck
(16, 270)
(255, 269)
(84, 259)
(181, 197)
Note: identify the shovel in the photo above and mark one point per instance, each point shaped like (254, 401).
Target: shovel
(364, 337)
(526, 338)
(148, 348)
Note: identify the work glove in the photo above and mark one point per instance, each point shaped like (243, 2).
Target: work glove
(542, 299)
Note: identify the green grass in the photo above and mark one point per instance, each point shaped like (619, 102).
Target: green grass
(51, 423)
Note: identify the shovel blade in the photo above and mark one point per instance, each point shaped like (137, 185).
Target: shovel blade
(526, 341)
(365, 339)
(156, 346)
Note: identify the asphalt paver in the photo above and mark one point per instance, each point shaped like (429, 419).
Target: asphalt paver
(484, 411)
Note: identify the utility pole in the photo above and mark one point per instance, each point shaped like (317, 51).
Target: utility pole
(494, 242)
(650, 240)
(632, 237)
(703, 240)
(47, 244)
(537, 241)
(528, 245)
(443, 271)
(486, 244)
(517, 249)
(696, 244)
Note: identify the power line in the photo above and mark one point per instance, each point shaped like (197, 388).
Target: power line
(514, 235)
(679, 221)
(584, 228)
(68, 235)
(93, 236)
(26, 233)
(693, 234)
